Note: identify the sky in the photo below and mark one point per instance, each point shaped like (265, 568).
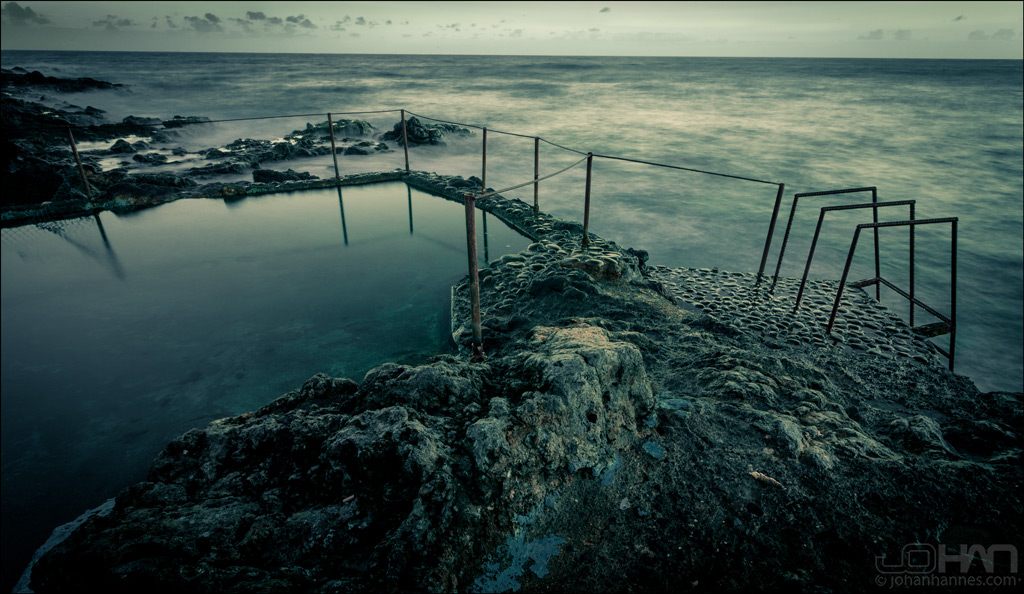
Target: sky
(749, 29)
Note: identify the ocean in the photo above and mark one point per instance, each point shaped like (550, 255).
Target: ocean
(946, 133)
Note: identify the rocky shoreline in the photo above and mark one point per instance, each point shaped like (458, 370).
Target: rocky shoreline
(620, 436)
(42, 181)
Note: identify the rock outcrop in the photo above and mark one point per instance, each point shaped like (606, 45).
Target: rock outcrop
(419, 133)
(611, 441)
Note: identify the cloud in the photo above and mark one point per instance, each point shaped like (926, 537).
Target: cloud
(301, 21)
(605, 9)
(15, 14)
(274, 20)
(243, 23)
(1000, 35)
(212, 17)
(255, 16)
(959, 18)
(204, 24)
(337, 26)
(875, 35)
(902, 35)
(170, 23)
(360, 21)
(113, 23)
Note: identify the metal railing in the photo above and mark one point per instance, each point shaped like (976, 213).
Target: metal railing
(875, 206)
(792, 214)
(948, 323)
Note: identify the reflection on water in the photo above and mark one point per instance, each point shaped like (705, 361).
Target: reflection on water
(121, 332)
(85, 234)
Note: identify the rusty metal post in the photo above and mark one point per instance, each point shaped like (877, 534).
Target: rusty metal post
(78, 161)
(771, 231)
(912, 257)
(952, 296)
(405, 141)
(586, 202)
(487, 255)
(817, 233)
(878, 266)
(483, 173)
(842, 281)
(474, 278)
(334, 148)
(948, 322)
(536, 174)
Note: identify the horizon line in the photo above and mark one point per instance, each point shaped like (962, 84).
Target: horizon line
(136, 51)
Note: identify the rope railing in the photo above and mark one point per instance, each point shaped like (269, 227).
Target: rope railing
(524, 184)
(628, 160)
(538, 140)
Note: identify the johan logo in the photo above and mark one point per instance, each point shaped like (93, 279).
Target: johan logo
(924, 558)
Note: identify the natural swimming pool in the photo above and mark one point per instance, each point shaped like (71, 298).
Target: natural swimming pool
(119, 333)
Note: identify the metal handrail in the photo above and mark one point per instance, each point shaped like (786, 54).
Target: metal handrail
(872, 205)
(949, 321)
(792, 213)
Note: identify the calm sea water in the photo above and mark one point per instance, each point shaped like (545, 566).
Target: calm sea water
(122, 332)
(945, 133)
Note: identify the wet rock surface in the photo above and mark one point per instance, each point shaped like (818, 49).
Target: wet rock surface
(419, 133)
(614, 439)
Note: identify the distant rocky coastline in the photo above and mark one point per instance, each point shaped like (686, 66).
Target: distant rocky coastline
(42, 181)
(615, 439)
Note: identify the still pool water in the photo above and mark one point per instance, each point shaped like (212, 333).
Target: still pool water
(120, 333)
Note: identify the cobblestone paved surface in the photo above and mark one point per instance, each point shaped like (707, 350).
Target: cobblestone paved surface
(738, 300)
